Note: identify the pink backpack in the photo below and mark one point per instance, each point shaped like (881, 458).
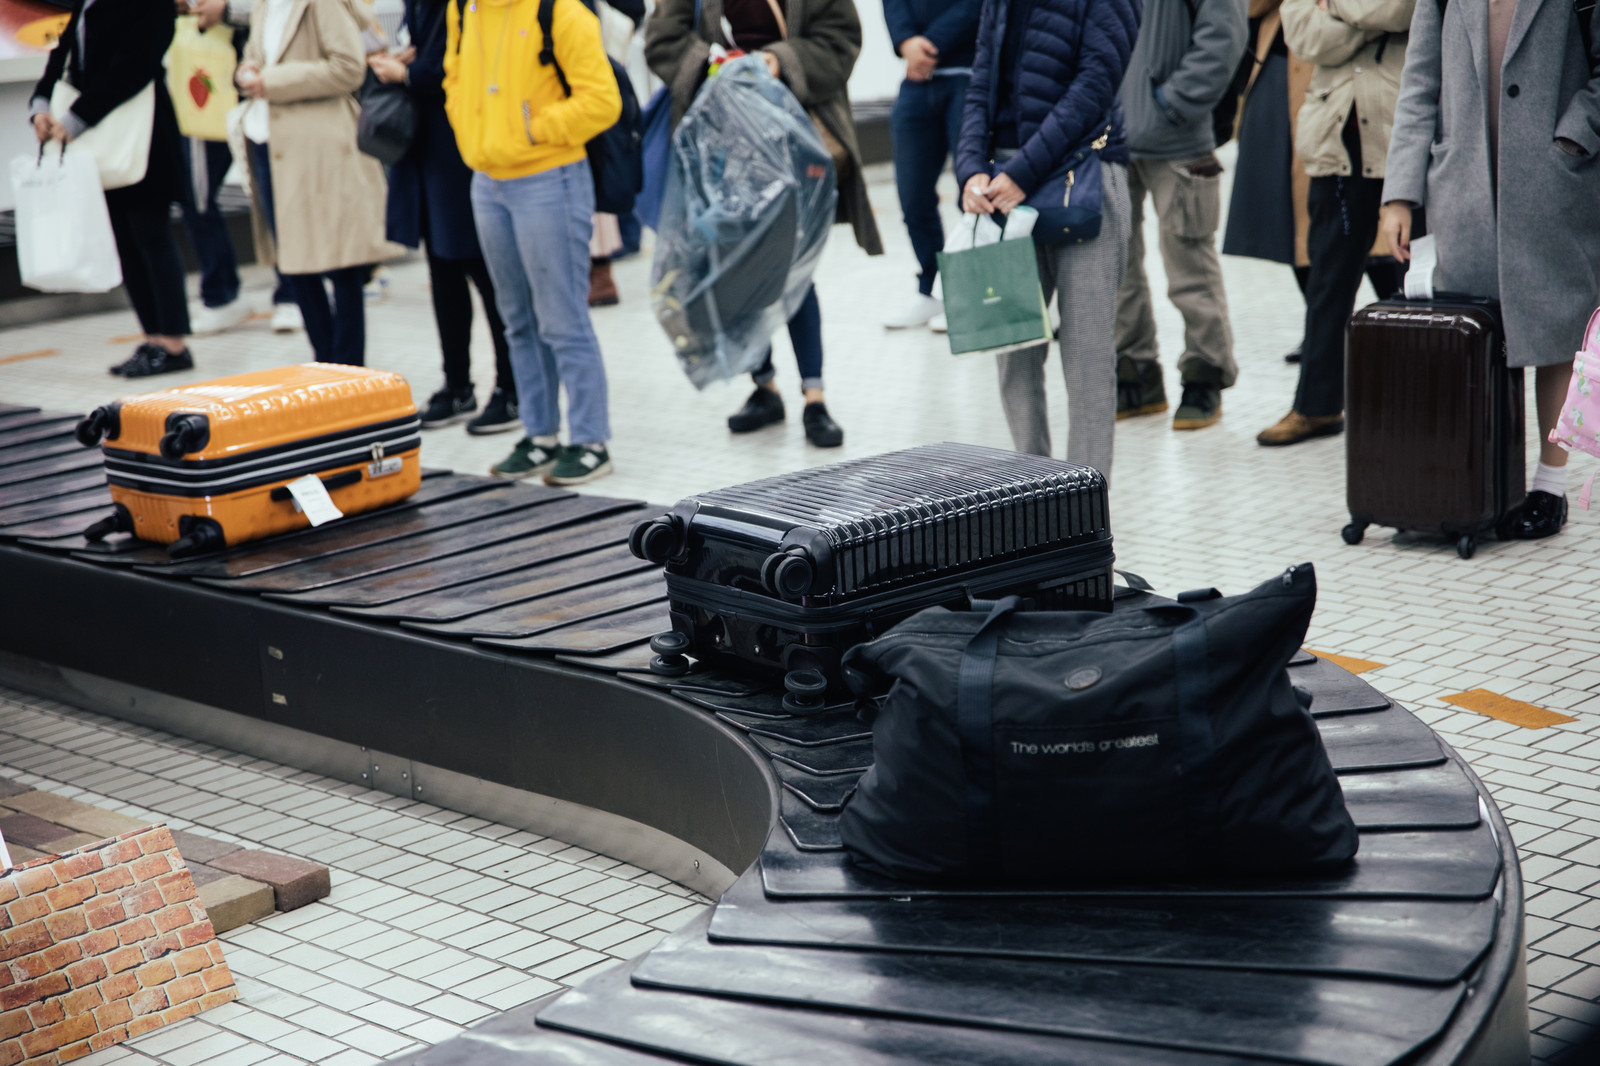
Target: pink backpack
(1579, 426)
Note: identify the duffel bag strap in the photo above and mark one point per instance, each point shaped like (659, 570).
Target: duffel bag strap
(1199, 743)
(975, 724)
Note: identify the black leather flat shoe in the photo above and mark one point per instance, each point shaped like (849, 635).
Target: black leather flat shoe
(1542, 515)
(821, 429)
(763, 408)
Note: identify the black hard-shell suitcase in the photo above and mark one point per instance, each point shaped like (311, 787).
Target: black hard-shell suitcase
(1433, 420)
(789, 572)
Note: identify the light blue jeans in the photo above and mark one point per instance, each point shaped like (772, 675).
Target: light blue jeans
(535, 237)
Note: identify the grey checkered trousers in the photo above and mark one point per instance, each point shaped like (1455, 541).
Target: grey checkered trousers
(1084, 278)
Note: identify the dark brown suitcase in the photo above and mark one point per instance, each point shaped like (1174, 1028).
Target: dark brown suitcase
(1433, 420)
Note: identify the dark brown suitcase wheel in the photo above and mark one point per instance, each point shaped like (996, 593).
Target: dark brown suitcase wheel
(1466, 546)
(655, 541)
(94, 427)
(788, 574)
(806, 688)
(1353, 532)
(119, 521)
(669, 660)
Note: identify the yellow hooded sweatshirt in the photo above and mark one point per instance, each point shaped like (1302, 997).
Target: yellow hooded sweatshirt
(510, 115)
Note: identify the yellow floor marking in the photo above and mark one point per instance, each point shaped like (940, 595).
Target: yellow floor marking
(23, 357)
(1494, 705)
(1355, 666)
(128, 339)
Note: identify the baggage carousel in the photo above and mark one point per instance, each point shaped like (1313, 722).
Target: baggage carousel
(494, 636)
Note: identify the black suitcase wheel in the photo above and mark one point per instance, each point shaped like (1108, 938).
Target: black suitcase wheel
(669, 660)
(1466, 546)
(1353, 532)
(805, 691)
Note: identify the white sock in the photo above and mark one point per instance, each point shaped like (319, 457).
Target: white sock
(547, 442)
(1551, 479)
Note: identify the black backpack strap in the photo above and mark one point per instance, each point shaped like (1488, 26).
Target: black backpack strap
(547, 46)
(1194, 730)
(975, 725)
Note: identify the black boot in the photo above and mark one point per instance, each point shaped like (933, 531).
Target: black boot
(821, 429)
(763, 408)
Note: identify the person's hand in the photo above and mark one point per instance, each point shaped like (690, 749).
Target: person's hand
(921, 57)
(771, 62)
(406, 55)
(1004, 193)
(1395, 226)
(249, 81)
(389, 69)
(975, 197)
(210, 12)
(42, 127)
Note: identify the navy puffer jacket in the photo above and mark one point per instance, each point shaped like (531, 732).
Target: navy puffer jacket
(1074, 53)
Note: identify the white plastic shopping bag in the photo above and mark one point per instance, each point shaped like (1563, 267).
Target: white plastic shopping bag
(64, 240)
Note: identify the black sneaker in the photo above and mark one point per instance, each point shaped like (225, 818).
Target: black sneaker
(499, 415)
(449, 406)
(148, 360)
(1139, 388)
(1201, 405)
(1294, 356)
(821, 429)
(763, 408)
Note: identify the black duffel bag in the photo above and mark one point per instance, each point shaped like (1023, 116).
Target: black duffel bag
(1161, 740)
(387, 123)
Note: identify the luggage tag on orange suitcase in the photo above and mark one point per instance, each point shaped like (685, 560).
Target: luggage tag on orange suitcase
(311, 498)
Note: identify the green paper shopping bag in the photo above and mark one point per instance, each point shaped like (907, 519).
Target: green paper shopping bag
(992, 297)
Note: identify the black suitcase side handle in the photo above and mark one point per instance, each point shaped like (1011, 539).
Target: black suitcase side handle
(101, 423)
(187, 431)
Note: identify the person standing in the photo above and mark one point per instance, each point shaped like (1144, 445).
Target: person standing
(1044, 87)
(110, 52)
(1523, 117)
(1358, 48)
(532, 202)
(430, 201)
(1183, 63)
(301, 66)
(936, 38)
(812, 48)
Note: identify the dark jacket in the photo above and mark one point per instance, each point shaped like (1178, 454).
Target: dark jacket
(952, 26)
(1074, 54)
(815, 63)
(1184, 61)
(431, 183)
(125, 42)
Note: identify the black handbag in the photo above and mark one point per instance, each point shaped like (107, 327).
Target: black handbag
(616, 154)
(388, 121)
(1031, 748)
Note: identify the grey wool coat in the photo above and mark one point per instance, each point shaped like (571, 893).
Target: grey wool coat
(1536, 245)
(814, 62)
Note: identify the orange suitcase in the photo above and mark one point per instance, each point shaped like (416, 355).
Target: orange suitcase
(207, 466)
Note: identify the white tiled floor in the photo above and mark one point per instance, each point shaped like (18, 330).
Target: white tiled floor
(1206, 508)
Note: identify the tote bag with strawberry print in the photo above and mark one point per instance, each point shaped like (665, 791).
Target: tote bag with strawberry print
(200, 78)
(1579, 426)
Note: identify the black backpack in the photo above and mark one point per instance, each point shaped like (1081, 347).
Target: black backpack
(616, 156)
(1038, 748)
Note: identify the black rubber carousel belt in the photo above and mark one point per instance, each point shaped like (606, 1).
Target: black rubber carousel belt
(632, 657)
(1335, 690)
(16, 409)
(43, 448)
(95, 498)
(809, 730)
(733, 1032)
(1315, 1019)
(14, 440)
(17, 421)
(1436, 941)
(123, 550)
(515, 1039)
(388, 572)
(56, 527)
(44, 488)
(562, 574)
(589, 600)
(594, 636)
(14, 471)
(820, 792)
(1390, 739)
(361, 531)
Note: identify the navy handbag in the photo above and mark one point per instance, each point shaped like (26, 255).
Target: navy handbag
(1069, 200)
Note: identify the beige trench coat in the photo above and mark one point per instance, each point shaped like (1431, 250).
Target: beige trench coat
(329, 196)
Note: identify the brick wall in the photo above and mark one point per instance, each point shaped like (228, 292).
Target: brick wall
(101, 944)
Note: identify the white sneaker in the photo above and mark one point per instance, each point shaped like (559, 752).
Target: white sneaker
(915, 312)
(286, 318)
(377, 290)
(938, 323)
(204, 321)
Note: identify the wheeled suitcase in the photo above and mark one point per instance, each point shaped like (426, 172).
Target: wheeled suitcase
(208, 466)
(789, 572)
(1433, 420)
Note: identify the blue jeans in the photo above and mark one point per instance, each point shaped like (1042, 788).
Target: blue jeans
(208, 232)
(535, 237)
(338, 333)
(805, 333)
(924, 126)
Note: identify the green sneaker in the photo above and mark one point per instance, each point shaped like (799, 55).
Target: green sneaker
(1139, 388)
(527, 459)
(1201, 405)
(579, 463)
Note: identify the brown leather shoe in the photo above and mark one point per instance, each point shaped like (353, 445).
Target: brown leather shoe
(1295, 427)
(602, 290)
